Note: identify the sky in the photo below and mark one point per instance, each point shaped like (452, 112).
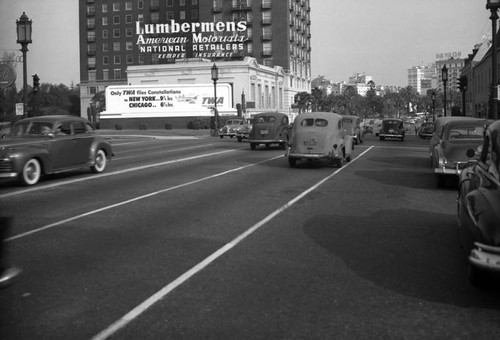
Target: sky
(381, 38)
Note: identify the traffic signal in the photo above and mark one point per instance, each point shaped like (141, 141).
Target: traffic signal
(462, 83)
(36, 83)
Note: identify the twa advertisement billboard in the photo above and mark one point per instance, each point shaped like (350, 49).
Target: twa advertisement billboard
(141, 101)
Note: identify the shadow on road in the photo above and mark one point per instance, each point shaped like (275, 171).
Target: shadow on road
(406, 254)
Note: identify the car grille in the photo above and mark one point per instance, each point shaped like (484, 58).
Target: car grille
(5, 166)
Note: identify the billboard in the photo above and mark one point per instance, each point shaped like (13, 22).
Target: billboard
(147, 101)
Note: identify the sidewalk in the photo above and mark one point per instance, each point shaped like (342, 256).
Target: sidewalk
(156, 133)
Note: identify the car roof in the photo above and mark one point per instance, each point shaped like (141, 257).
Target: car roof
(460, 122)
(278, 114)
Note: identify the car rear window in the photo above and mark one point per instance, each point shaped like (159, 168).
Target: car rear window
(314, 122)
(464, 132)
(266, 119)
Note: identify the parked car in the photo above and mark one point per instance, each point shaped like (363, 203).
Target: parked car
(51, 144)
(269, 128)
(438, 131)
(229, 128)
(4, 129)
(478, 205)
(426, 130)
(243, 131)
(392, 128)
(319, 136)
(352, 126)
(449, 155)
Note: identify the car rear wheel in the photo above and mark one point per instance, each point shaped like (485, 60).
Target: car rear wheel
(31, 172)
(99, 162)
(292, 162)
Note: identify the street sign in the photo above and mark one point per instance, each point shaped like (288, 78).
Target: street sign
(19, 109)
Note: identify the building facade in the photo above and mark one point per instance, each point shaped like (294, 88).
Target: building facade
(118, 34)
(422, 78)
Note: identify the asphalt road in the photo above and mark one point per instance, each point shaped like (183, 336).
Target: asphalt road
(202, 238)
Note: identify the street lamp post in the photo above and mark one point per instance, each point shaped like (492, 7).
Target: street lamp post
(444, 77)
(215, 77)
(493, 6)
(433, 96)
(24, 38)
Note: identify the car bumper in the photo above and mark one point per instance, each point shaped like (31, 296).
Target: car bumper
(486, 257)
(456, 170)
(266, 141)
(8, 174)
(391, 135)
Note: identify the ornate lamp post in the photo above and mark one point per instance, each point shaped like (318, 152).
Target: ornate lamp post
(444, 77)
(215, 77)
(433, 96)
(493, 6)
(24, 38)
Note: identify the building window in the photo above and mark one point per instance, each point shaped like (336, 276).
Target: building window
(104, 8)
(116, 6)
(249, 48)
(140, 17)
(141, 58)
(117, 60)
(266, 17)
(130, 58)
(129, 45)
(170, 3)
(105, 60)
(140, 4)
(105, 47)
(267, 48)
(194, 2)
(117, 73)
(92, 75)
(91, 10)
(116, 20)
(182, 2)
(105, 34)
(92, 89)
(155, 17)
(128, 5)
(116, 47)
(182, 15)
(128, 19)
(105, 21)
(91, 62)
(105, 74)
(91, 22)
(116, 33)
(91, 36)
(170, 15)
(129, 32)
(155, 4)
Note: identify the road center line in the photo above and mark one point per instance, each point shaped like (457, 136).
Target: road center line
(138, 198)
(146, 304)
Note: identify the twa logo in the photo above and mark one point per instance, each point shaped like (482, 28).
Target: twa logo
(210, 100)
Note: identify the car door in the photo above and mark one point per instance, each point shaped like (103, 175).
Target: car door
(61, 152)
(82, 141)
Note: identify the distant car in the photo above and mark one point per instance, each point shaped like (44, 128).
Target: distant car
(51, 144)
(269, 128)
(478, 205)
(352, 126)
(229, 128)
(449, 155)
(319, 136)
(392, 128)
(4, 129)
(243, 131)
(426, 130)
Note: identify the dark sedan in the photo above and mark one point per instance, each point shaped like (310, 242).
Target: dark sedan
(479, 207)
(51, 144)
(426, 130)
(392, 128)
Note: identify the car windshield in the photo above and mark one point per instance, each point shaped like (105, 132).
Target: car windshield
(461, 132)
(31, 129)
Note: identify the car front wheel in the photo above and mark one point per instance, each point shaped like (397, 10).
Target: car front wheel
(99, 162)
(31, 172)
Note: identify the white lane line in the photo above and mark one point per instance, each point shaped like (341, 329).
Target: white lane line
(114, 173)
(146, 304)
(138, 198)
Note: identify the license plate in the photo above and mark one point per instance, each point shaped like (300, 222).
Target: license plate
(264, 132)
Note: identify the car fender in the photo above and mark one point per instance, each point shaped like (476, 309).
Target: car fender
(98, 145)
(482, 208)
(20, 155)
